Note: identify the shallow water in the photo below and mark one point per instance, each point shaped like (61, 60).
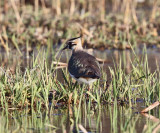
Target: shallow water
(61, 118)
(94, 119)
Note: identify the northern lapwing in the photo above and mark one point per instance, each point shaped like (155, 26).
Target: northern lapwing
(82, 66)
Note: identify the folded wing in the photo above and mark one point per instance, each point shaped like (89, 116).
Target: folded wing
(82, 64)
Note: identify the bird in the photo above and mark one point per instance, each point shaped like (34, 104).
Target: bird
(82, 66)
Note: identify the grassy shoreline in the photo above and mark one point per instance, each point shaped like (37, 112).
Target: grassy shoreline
(37, 86)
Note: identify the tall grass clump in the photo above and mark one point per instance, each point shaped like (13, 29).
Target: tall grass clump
(38, 85)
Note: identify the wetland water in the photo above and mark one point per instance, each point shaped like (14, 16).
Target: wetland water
(94, 118)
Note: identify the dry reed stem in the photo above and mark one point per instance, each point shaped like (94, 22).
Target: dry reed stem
(84, 30)
(3, 44)
(128, 65)
(60, 67)
(36, 4)
(16, 11)
(62, 64)
(101, 60)
(145, 127)
(127, 12)
(151, 117)
(153, 14)
(59, 63)
(5, 33)
(144, 27)
(44, 6)
(12, 108)
(156, 129)
(90, 6)
(58, 7)
(82, 128)
(115, 5)
(152, 106)
(72, 7)
(135, 19)
(19, 20)
(116, 34)
(70, 110)
(69, 102)
(5, 6)
(102, 7)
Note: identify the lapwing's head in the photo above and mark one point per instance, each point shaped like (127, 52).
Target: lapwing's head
(74, 44)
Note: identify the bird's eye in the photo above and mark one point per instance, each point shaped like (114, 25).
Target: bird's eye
(70, 45)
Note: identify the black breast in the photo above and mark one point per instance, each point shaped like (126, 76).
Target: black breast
(82, 64)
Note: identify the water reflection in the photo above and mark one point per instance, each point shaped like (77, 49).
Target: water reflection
(93, 118)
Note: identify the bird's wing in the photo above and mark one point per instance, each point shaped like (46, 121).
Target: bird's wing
(84, 65)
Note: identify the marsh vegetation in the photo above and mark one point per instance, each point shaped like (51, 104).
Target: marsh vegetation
(35, 86)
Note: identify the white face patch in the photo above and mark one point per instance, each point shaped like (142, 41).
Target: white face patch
(74, 47)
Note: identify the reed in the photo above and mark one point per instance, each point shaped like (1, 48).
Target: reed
(52, 20)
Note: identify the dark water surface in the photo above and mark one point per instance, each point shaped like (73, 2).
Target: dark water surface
(94, 119)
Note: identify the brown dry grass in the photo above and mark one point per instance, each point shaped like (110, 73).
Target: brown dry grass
(104, 24)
